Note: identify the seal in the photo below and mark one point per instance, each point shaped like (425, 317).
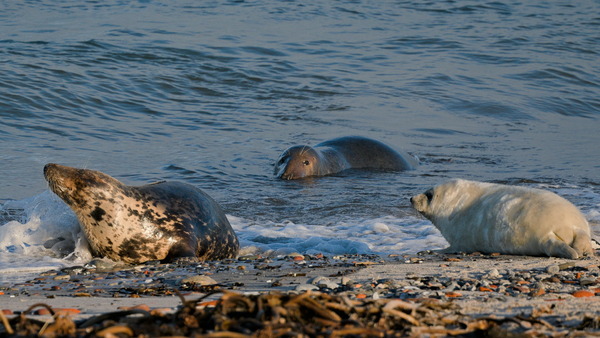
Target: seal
(486, 217)
(333, 156)
(160, 221)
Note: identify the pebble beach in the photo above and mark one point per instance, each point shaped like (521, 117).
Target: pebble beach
(452, 294)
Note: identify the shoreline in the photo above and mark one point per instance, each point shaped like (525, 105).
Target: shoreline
(563, 293)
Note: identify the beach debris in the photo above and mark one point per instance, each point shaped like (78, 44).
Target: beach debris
(361, 303)
(307, 314)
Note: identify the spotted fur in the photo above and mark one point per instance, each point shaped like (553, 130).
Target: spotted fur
(159, 221)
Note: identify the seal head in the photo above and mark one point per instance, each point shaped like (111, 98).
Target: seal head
(160, 221)
(300, 162)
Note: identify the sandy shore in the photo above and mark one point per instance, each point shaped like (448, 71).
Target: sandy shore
(563, 293)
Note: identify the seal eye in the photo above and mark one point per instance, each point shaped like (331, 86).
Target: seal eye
(429, 195)
(306, 162)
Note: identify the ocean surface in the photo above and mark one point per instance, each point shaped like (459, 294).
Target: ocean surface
(211, 92)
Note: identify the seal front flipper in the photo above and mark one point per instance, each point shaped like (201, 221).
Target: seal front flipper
(555, 246)
(181, 253)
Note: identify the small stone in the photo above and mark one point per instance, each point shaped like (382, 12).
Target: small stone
(537, 292)
(318, 279)
(62, 277)
(82, 294)
(554, 279)
(587, 281)
(49, 273)
(452, 286)
(249, 258)
(101, 264)
(321, 282)
(200, 279)
(566, 265)
(583, 293)
(453, 294)
(552, 269)
(306, 287)
(346, 280)
(493, 273)
(382, 286)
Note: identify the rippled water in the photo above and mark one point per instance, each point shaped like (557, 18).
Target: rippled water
(211, 93)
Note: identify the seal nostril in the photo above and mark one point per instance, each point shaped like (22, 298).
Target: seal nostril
(46, 168)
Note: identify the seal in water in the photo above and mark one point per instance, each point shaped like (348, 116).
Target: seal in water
(159, 221)
(333, 156)
(487, 217)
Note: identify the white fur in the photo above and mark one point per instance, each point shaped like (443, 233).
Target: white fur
(486, 217)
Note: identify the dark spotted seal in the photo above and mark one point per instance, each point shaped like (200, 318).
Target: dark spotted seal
(159, 221)
(339, 154)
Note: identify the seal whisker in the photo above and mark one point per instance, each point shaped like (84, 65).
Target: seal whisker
(303, 150)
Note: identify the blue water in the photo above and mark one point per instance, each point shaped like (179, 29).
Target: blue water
(211, 92)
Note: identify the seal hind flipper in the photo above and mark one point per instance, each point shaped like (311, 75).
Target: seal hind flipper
(555, 246)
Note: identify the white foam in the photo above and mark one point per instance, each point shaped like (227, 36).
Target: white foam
(47, 234)
(385, 235)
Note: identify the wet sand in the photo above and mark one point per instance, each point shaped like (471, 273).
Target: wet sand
(562, 294)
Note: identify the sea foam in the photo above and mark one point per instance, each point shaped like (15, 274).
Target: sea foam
(42, 232)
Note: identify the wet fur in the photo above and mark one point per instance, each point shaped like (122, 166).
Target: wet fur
(160, 221)
(333, 156)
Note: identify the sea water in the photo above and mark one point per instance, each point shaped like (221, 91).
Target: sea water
(210, 93)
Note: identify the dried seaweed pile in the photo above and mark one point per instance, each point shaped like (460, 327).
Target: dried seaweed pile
(283, 315)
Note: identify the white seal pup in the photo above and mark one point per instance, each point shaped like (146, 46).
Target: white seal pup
(160, 221)
(333, 156)
(485, 217)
